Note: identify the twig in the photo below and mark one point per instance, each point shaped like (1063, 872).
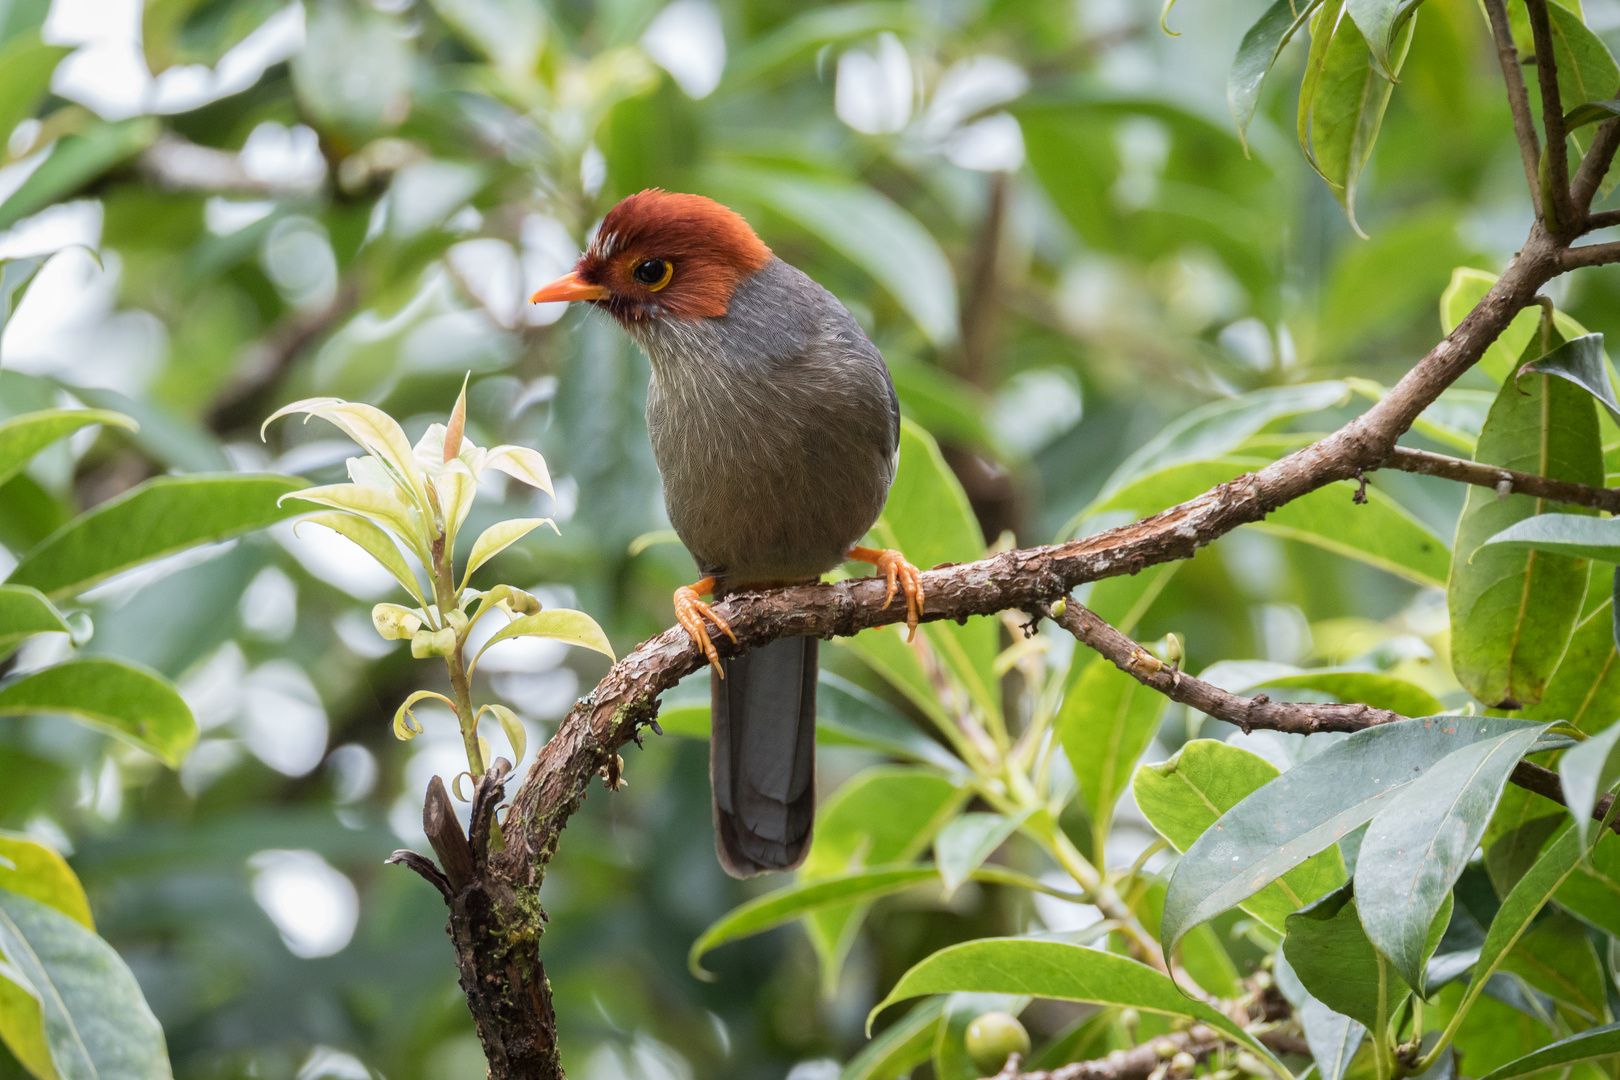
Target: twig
(1552, 122)
(1590, 254)
(1260, 712)
(1594, 167)
(1424, 463)
(1524, 128)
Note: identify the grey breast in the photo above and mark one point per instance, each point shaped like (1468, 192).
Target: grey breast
(774, 426)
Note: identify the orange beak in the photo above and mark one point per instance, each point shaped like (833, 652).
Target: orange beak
(568, 287)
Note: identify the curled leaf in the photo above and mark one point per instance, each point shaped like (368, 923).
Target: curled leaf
(406, 726)
(373, 429)
(426, 643)
(395, 623)
(520, 463)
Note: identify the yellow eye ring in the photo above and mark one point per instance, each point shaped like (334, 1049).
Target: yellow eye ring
(653, 273)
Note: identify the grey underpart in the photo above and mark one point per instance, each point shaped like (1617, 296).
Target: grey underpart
(775, 428)
(762, 756)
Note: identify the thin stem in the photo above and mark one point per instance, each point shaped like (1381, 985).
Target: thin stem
(1524, 128)
(1595, 166)
(445, 596)
(1600, 220)
(1423, 463)
(1590, 255)
(1552, 121)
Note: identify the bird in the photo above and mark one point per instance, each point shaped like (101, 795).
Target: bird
(775, 427)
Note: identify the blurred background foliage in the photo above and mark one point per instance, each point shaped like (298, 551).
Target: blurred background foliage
(1039, 209)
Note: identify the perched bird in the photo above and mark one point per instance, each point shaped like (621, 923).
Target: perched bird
(775, 426)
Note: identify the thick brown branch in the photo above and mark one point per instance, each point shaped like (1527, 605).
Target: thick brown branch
(1552, 122)
(1590, 255)
(1594, 166)
(1260, 712)
(1524, 127)
(1472, 472)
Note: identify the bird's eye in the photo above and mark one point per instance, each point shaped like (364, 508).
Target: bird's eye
(654, 273)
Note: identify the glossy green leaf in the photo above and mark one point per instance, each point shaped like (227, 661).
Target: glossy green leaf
(374, 542)
(96, 1022)
(1262, 44)
(497, 538)
(75, 161)
(901, 1047)
(139, 706)
(22, 1023)
(1592, 889)
(885, 650)
(559, 624)
(39, 873)
(1585, 687)
(1055, 969)
(798, 900)
(1586, 70)
(21, 437)
(164, 515)
(1581, 361)
(15, 277)
(26, 64)
(1313, 805)
(1215, 430)
(962, 846)
(847, 714)
(1512, 610)
(1184, 797)
(1380, 22)
(1203, 954)
(1380, 533)
(1591, 112)
(1375, 688)
(870, 231)
(1589, 1045)
(1556, 958)
(883, 815)
(1342, 100)
(929, 520)
(1588, 771)
(25, 612)
(1332, 1037)
(1105, 721)
(1423, 836)
(1574, 535)
(1329, 950)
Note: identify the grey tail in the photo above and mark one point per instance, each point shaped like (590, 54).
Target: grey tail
(762, 756)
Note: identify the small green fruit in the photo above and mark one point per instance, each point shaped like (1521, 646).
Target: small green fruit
(993, 1036)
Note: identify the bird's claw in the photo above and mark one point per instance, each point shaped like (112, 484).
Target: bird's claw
(691, 611)
(900, 576)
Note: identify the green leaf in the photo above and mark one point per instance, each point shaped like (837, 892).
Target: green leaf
(962, 846)
(846, 714)
(1332, 1037)
(799, 39)
(497, 538)
(1586, 70)
(951, 1058)
(794, 902)
(25, 612)
(1374, 688)
(1342, 100)
(1215, 430)
(869, 230)
(41, 874)
(160, 517)
(561, 624)
(15, 275)
(1573, 535)
(1261, 46)
(1581, 361)
(1313, 805)
(1556, 957)
(139, 706)
(1585, 687)
(885, 650)
(374, 542)
(929, 520)
(1105, 722)
(26, 64)
(1468, 287)
(883, 815)
(1380, 533)
(21, 437)
(1512, 610)
(1419, 842)
(1329, 950)
(96, 1022)
(77, 160)
(1380, 22)
(1055, 969)
(1588, 1045)
(1592, 890)
(1185, 796)
(903, 1046)
(1588, 771)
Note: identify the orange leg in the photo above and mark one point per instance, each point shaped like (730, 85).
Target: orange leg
(901, 575)
(691, 611)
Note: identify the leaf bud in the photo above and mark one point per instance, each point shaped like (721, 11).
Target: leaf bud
(426, 643)
(457, 621)
(1164, 1048)
(992, 1037)
(395, 623)
(1184, 1062)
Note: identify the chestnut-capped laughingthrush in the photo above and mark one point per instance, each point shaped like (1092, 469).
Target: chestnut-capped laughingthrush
(775, 427)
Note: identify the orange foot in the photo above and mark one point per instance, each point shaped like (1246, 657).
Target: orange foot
(691, 611)
(901, 575)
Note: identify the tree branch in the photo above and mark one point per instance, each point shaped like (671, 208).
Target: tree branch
(1590, 254)
(1594, 167)
(1524, 128)
(1601, 220)
(1260, 712)
(1424, 463)
(1552, 121)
